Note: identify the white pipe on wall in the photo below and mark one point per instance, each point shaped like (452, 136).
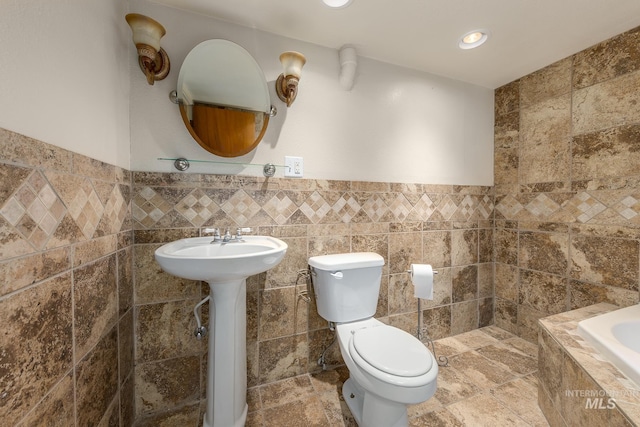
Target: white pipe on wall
(348, 66)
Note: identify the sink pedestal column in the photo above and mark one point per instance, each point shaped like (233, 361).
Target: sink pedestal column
(227, 359)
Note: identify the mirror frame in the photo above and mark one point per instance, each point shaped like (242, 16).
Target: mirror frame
(229, 113)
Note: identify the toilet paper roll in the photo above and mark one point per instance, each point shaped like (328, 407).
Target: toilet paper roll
(422, 278)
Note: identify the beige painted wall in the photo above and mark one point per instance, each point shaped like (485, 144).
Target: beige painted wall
(63, 75)
(395, 125)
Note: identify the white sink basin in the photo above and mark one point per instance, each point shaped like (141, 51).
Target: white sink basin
(197, 258)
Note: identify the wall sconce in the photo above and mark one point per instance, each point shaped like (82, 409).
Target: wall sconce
(287, 83)
(147, 33)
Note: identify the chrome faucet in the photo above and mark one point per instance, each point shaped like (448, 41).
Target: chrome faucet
(227, 238)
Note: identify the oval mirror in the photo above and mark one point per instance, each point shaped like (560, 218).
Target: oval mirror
(223, 97)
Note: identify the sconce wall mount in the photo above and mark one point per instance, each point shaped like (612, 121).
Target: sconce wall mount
(287, 82)
(153, 60)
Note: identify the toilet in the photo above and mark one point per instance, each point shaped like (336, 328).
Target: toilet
(388, 367)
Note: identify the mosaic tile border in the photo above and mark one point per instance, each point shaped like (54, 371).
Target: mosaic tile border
(195, 203)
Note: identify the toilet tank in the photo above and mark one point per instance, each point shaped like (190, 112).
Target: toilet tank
(346, 286)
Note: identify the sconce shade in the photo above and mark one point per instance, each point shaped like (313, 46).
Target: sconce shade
(287, 83)
(147, 33)
(292, 63)
(145, 30)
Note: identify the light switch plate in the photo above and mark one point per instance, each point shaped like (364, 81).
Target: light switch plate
(293, 167)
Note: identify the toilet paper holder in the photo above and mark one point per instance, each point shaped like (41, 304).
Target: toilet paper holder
(420, 334)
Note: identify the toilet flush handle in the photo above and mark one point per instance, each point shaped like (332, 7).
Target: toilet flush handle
(337, 274)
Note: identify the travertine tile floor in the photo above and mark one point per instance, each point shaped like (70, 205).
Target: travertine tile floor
(490, 381)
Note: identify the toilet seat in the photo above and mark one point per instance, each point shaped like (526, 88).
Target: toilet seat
(391, 355)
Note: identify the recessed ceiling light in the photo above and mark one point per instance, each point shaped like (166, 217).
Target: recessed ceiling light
(336, 4)
(473, 39)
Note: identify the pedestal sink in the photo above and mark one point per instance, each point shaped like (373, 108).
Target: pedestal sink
(225, 266)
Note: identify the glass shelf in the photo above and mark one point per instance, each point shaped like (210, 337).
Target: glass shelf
(183, 164)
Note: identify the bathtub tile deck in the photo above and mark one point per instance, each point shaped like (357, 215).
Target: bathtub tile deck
(491, 380)
(576, 357)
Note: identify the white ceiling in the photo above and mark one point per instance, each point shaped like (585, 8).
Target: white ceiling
(526, 35)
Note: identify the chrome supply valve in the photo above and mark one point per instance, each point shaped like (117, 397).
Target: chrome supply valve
(200, 332)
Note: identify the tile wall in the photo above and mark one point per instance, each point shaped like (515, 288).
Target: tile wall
(66, 288)
(567, 185)
(446, 226)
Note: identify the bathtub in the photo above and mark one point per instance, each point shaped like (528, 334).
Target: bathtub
(616, 335)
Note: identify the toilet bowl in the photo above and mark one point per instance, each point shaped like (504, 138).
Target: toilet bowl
(388, 367)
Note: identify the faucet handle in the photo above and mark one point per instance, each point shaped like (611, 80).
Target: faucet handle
(215, 231)
(241, 230)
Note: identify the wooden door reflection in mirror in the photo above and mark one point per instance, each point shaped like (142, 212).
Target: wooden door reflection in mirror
(224, 99)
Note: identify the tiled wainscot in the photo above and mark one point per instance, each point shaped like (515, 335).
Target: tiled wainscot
(446, 226)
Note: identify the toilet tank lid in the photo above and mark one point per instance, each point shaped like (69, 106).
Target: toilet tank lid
(346, 261)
